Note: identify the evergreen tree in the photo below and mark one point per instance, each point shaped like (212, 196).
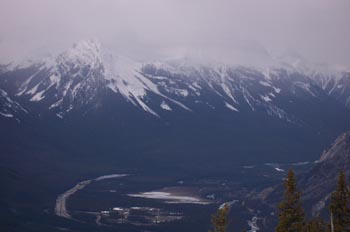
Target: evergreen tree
(340, 206)
(316, 225)
(291, 213)
(220, 219)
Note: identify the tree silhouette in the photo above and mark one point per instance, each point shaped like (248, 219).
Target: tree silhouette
(340, 206)
(316, 225)
(220, 219)
(291, 214)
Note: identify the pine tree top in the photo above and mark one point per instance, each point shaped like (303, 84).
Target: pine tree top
(340, 205)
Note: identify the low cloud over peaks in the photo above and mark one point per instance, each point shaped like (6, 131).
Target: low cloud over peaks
(317, 29)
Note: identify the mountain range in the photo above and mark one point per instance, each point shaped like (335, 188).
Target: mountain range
(288, 112)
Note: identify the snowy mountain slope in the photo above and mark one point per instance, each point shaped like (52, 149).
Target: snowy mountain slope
(80, 77)
(70, 80)
(10, 108)
(336, 85)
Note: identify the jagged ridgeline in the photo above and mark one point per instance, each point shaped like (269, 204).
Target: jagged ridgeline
(77, 76)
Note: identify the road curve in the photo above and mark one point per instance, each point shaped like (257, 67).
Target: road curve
(61, 201)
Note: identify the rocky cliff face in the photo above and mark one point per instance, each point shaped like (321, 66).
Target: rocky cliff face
(316, 183)
(320, 181)
(339, 150)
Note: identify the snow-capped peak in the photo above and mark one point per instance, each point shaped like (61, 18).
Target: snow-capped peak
(85, 52)
(77, 76)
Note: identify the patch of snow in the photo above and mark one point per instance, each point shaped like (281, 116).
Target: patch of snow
(159, 78)
(6, 115)
(253, 225)
(231, 107)
(266, 73)
(264, 83)
(69, 108)
(60, 115)
(275, 111)
(228, 92)
(136, 207)
(182, 92)
(211, 196)
(66, 87)
(24, 86)
(266, 98)
(13, 105)
(3, 92)
(277, 90)
(55, 79)
(306, 87)
(110, 177)
(38, 96)
(196, 85)
(170, 198)
(124, 78)
(194, 90)
(247, 98)
(86, 52)
(279, 169)
(33, 90)
(56, 104)
(229, 204)
(165, 106)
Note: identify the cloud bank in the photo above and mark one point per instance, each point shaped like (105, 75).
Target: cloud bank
(319, 30)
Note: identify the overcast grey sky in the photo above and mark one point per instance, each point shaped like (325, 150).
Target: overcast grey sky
(317, 29)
